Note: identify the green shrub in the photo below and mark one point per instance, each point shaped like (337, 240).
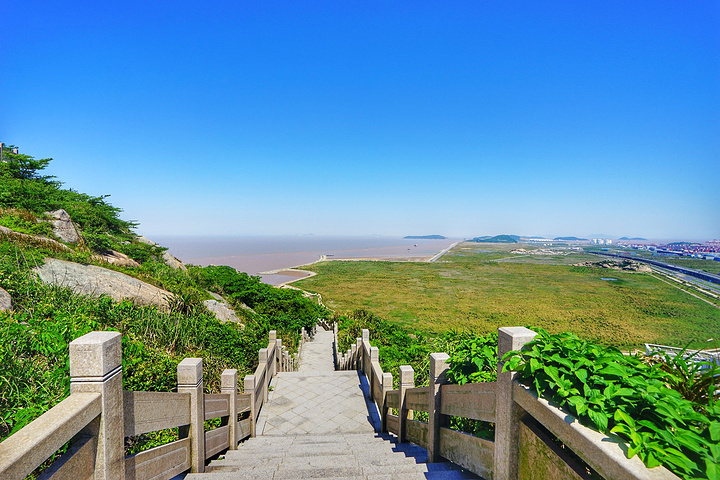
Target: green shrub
(620, 394)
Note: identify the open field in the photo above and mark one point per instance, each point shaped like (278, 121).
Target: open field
(486, 286)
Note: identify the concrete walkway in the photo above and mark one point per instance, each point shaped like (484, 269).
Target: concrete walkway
(317, 399)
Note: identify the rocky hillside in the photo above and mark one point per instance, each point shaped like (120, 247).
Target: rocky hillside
(69, 264)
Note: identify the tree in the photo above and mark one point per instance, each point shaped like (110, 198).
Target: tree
(23, 167)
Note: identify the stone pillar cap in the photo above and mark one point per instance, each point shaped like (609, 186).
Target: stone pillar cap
(190, 372)
(438, 364)
(95, 354)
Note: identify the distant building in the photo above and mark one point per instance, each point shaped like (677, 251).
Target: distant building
(4, 149)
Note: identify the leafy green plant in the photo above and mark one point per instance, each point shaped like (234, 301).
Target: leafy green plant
(621, 395)
(474, 359)
(696, 380)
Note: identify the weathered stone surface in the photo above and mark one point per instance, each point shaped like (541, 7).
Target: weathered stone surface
(145, 240)
(12, 234)
(540, 458)
(116, 258)
(64, 227)
(93, 280)
(169, 260)
(5, 300)
(173, 262)
(221, 309)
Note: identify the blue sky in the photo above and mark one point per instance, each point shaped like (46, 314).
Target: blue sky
(375, 117)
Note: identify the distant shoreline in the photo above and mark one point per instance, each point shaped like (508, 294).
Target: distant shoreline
(294, 271)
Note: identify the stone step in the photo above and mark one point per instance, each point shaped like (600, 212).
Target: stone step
(335, 474)
(292, 472)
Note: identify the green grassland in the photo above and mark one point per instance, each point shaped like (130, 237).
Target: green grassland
(485, 286)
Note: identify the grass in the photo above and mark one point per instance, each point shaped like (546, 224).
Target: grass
(485, 286)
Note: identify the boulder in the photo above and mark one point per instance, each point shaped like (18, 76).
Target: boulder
(48, 242)
(221, 310)
(116, 258)
(5, 300)
(169, 260)
(63, 226)
(96, 281)
(172, 261)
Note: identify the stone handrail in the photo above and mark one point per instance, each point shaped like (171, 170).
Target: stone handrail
(98, 416)
(522, 421)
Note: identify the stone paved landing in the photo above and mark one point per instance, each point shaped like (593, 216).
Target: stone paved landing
(317, 399)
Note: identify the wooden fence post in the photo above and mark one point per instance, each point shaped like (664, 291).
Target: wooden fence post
(190, 380)
(507, 412)
(96, 366)
(249, 387)
(438, 376)
(228, 384)
(407, 380)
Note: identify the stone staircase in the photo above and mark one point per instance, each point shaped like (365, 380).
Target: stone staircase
(322, 423)
(333, 456)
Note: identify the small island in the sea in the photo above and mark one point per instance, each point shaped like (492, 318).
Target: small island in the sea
(497, 239)
(425, 237)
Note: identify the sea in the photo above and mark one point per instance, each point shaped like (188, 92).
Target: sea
(268, 256)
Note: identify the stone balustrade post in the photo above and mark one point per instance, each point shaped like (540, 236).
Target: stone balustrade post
(386, 385)
(278, 354)
(228, 384)
(190, 380)
(365, 352)
(96, 367)
(263, 361)
(374, 357)
(271, 343)
(353, 357)
(249, 387)
(507, 412)
(358, 353)
(407, 381)
(438, 376)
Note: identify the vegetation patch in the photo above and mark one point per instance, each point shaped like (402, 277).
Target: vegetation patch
(482, 287)
(622, 395)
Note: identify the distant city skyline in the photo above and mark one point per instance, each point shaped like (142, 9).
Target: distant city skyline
(390, 118)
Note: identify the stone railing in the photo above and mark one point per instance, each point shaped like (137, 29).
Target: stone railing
(524, 424)
(98, 416)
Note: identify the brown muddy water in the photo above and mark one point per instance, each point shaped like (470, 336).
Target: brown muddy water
(258, 254)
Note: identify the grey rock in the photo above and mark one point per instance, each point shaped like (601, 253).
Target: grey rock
(173, 262)
(5, 300)
(116, 258)
(169, 260)
(145, 240)
(221, 309)
(63, 226)
(95, 281)
(54, 244)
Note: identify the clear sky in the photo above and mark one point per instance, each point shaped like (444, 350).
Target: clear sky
(461, 118)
